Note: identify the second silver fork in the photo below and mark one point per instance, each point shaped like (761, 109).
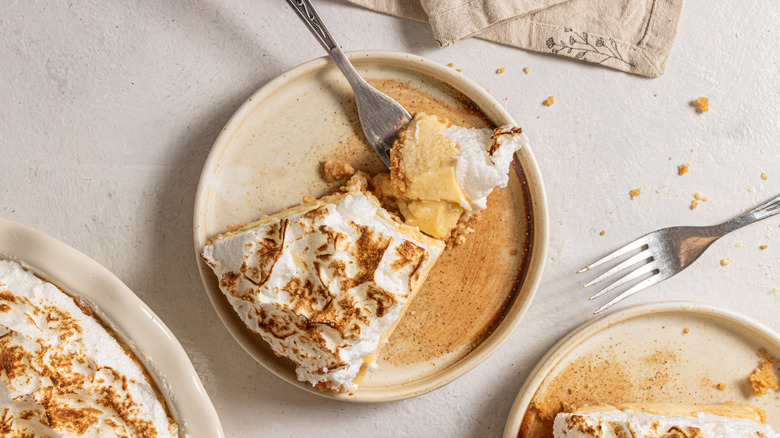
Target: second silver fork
(668, 251)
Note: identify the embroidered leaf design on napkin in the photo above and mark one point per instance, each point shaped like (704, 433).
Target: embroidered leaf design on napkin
(579, 47)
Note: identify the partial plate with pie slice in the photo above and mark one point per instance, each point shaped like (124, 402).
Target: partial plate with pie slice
(669, 352)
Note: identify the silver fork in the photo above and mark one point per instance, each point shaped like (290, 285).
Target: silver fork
(668, 251)
(380, 116)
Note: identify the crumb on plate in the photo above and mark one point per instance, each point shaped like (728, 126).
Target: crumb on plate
(636, 192)
(721, 386)
(686, 330)
(450, 65)
(549, 101)
(694, 204)
(500, 70)
(459, 70)
(702, 104)
(764, 246)
(683, 168)
(465, 226)
(527, 70)
(762, 380)
(336, 170)
(764, 176)
(726, 261)
(603, 232)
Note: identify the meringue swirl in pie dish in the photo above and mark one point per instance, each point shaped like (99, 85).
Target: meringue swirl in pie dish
(64, 373)
(326, 282)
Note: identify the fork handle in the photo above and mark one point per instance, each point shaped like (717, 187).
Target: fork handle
(763, 211)
(311, 18)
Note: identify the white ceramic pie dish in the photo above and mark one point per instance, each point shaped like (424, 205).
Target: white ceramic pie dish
(243, 178)
(702, 346)
(151, 341)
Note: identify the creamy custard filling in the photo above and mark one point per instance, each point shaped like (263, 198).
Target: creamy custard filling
(423, 163)
(435, 218)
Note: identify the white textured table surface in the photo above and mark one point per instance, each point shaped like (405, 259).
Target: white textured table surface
(108, 110)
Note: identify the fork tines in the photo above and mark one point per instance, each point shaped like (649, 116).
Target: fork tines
(644, 255)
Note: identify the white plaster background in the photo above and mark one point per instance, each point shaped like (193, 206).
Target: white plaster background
(108, 110)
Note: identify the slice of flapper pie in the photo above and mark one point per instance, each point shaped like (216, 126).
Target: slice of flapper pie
(325, 282)
(664, 420)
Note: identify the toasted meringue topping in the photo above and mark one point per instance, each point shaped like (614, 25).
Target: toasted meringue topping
(62, 373)
(323, 283)
(627, 423)
(484, 160)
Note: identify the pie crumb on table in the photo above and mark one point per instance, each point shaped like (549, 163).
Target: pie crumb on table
(702, 104)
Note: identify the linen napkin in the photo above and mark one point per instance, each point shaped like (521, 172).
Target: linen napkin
(634, 36)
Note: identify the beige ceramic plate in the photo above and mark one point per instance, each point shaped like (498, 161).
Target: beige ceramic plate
(667, 352)
(135, 323)
(268, 157)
